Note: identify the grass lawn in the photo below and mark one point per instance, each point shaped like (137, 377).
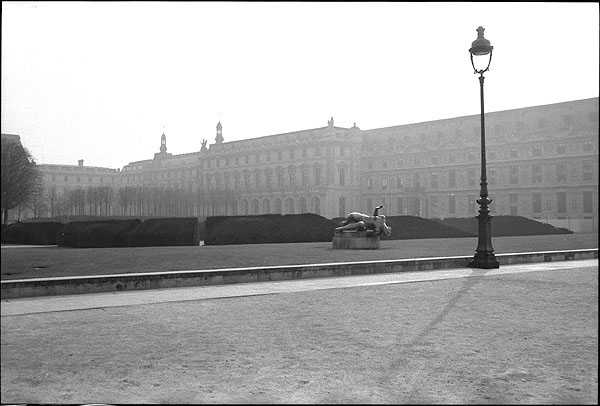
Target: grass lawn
(53, 261)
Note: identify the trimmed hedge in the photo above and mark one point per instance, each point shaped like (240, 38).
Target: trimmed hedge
(268, 229)
(15, 234)
(273, 228)
(506, 226)
(165, 232)
(412, 228)
(96, 234)
(43, 233)
(242, 230)
(305, 227)
(201, 232)
(32, 233)
(211, 224)
(261, 229)
(130, 233)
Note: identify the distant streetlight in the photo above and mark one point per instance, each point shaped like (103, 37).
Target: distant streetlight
(484, 256)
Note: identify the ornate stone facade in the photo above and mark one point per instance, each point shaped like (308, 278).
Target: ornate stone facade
(542, 163)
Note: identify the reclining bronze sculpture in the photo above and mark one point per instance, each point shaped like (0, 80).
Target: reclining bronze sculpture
(374, 225)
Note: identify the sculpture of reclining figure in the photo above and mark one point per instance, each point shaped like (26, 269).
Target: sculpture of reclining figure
(374, 224)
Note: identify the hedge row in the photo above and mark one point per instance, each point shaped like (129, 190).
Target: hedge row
(165, 232)
(412, 228)
(310, 228)
(262, 229)
(96, 234)
(505, 226)
(108, 233)
(31, 233)
(211, 224)
(268, 228)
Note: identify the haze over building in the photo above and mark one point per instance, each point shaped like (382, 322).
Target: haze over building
(542, 164)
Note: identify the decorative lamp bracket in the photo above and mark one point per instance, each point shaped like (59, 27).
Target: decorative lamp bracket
(482, 71)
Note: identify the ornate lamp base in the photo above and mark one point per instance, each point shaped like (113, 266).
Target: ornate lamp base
(484, 260)
(484, 257)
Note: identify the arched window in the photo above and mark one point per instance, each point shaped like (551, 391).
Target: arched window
(255, 207)
(245, 207)
(316, 205)
(289, 206)
(302, 205)
(278, 205)
(266, 206)
(451, 204)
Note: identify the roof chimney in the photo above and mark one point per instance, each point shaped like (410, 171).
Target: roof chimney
(80, 162)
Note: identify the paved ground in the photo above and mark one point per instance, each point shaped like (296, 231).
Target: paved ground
(520, 334)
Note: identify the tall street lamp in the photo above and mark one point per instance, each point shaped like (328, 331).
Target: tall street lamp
(484, 256)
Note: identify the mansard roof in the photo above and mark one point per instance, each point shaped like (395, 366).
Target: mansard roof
(477, 116)
(275, 139)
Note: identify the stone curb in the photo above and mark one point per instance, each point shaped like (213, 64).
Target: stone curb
(177, 279)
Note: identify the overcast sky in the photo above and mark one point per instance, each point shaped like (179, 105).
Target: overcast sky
(102, 81)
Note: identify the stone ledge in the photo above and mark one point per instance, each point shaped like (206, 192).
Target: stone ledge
(13, 289)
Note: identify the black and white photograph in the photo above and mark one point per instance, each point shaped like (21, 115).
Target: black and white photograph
(299, 202)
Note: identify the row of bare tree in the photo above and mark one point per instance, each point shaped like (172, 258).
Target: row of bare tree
(22, 190)
(131, 201)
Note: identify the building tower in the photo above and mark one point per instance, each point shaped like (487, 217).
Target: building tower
(219, 137)
(163, 144)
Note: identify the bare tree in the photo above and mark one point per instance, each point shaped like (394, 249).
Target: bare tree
(155, 201)
(146, 196)
(62, 204)
(123, 200)
(105, 195)
(36, 201)
(20, 177)
(108, 196)
(52, 199)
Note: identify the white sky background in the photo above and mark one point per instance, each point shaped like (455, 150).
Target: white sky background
(98, 81)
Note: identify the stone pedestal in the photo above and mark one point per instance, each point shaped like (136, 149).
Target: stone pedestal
(355, 240)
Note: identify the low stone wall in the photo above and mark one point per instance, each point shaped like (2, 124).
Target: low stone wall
(177, 279)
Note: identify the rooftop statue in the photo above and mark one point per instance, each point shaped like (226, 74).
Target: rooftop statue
(374, 225)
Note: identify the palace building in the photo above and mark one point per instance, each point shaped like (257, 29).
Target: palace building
(542, 163)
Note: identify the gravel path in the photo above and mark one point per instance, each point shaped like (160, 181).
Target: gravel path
(520, 338)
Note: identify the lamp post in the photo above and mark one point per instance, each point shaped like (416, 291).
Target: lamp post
(484, 256)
